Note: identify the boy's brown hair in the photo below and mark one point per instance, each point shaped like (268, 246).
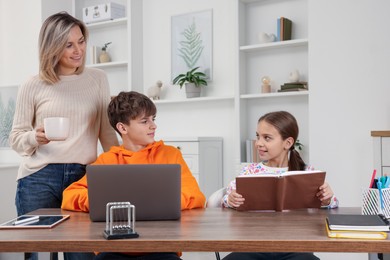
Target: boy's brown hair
(128, 106)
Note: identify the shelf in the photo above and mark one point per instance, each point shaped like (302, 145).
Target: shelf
(274, 45)
(106, 24)
(251, 1)
(108, 64)
(275, 94)
(191, 100)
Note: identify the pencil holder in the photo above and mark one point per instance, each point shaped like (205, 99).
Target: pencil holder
(371, 202)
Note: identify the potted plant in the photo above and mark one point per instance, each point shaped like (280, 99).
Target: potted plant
(193, 81)
(104, 57)
(298, 145)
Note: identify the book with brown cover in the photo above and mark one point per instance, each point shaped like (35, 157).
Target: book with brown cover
(282, 28)
(289, 190)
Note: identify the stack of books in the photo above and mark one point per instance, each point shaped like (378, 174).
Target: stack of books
(284, 27)
(357, 226)
(294, 86)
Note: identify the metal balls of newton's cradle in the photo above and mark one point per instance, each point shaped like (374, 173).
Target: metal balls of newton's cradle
(266, 86)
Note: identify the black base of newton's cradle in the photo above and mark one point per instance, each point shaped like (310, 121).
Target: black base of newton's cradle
(120, 234)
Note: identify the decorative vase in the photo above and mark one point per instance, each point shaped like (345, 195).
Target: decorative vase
(294, 76)
(265, 38)
(192, 90)
(265, 89)
(104, 57)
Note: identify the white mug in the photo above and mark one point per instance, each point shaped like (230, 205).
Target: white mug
(56, 128)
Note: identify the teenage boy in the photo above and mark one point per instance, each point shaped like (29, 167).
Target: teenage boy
(133, 115)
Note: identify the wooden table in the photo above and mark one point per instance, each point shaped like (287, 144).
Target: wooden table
(206, 230)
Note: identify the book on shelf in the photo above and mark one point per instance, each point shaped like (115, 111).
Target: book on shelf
(354, 234)
(292, 89)
(284, 28)
(294, 85)
(287, 27)
(94, 55)
(281, 28)
(289, 190)
(356, 222)
(252, 156)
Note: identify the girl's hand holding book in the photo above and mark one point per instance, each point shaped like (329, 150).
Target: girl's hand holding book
(235, 200)
(325, 194)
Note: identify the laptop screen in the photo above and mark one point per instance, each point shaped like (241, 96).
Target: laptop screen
(154, 189)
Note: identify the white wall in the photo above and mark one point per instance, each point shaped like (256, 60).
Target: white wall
(20, 23)
(18, 49)
(349, 89)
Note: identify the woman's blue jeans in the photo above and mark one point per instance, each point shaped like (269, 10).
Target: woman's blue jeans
(43, 189)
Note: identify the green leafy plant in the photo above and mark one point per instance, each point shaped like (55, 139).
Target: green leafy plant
(298, 145)
(192, 76)
(105, 46)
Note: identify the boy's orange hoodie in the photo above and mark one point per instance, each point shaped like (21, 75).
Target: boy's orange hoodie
(75, 196)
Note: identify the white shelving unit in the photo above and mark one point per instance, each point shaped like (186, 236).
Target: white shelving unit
(193, 100)
(274, 59)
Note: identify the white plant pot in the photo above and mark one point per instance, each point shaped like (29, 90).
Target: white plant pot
(104, 57)
(192, 90)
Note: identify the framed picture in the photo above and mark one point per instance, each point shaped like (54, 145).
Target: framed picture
(7, 111)
(191, 43)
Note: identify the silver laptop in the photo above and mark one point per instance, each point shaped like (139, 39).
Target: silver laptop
(154, 189)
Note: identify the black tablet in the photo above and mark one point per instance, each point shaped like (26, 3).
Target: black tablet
(34, 221)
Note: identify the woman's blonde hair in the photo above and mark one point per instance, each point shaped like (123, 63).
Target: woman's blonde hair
(53, 38)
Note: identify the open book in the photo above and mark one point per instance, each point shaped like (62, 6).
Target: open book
(289, 190)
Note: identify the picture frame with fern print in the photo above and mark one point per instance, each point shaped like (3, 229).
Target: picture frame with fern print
(8, 96)
(191, 43)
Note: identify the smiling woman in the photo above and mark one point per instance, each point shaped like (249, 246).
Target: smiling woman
(63, 88)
